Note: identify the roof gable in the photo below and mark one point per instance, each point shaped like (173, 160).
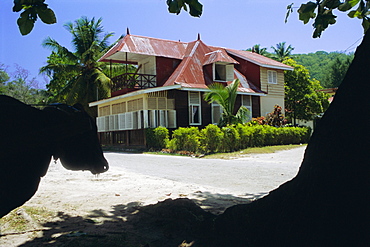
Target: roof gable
(133, 44)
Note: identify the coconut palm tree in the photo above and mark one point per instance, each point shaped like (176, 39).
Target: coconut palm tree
(226, 97)
(282, 52)
(258, 49)
(76, 76)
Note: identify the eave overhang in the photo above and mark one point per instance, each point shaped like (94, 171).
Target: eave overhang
(135, 93)
(277, 65)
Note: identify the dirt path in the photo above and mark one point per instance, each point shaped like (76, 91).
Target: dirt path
(79, 209)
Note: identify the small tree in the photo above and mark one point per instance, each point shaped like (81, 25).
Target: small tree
(276, 117)
(303, 100)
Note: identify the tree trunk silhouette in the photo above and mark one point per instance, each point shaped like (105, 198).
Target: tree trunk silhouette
(328, 202)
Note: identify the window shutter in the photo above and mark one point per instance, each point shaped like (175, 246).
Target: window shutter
(216, 113)
(152, 103)
(153, 119)
(162, 104)
(194, 98)
(171, 119)
(230, 72)
(128, 120)
(121, 121)
(162, 118)
(246, 100)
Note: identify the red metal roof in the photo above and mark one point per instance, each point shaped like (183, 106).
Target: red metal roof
(193, 55)
(258, 59)
(219, 55)
(133, 44)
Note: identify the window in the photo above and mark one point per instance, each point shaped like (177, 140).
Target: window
(194, 108)
(216, 113)
(223, 72)
(272, 76)
(220, 72)
(247, 103)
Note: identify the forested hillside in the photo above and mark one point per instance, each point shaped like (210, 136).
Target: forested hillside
(325, 66)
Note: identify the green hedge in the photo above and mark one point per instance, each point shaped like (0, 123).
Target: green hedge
(227, 139)
(157, 138)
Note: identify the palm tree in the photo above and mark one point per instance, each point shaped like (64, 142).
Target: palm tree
(76, 76)
(282, 52)
(257, 49)
(226, 97)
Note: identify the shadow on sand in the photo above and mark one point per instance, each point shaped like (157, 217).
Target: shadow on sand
(167, 223)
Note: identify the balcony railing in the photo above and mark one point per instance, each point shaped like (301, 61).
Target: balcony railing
(133, 80)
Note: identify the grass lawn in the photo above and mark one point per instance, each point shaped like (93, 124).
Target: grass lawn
(241, 153)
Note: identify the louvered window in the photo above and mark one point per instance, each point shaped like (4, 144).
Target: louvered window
(216, 113)
(247, 103)
(194, 108)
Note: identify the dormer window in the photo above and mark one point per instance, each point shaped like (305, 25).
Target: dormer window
(223, 72)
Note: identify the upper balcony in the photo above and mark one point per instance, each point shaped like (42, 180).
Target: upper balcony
(133, 81)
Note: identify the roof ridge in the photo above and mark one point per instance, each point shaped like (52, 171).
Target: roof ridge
(167, 40)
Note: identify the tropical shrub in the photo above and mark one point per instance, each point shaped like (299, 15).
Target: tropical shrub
(157, 138)
(226, 139)
(185, 139)
(211, 138)
(231, 138)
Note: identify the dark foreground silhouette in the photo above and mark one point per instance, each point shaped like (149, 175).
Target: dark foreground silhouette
(328, 202)
(30, 137)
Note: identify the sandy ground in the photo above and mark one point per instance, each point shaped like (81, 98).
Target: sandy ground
(79, 199)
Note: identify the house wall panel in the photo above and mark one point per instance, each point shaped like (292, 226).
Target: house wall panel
(208, 74)
(250, 70)
(181, 106)
(268, 103)
(270, 88)
(165, 67)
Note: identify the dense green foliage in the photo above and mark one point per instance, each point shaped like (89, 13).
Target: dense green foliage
(76, 76)
(322, 66)
(230, 138)
(185, 139)
(20, 86)
(303, 100)
(211, 138)
(157, 138)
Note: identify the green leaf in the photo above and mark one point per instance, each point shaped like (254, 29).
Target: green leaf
(25, 25)
(46, 15)
(196, 8)
(173, 7)
(322, 22)
(347, 5)
(332, 4)
(354, 13)
(365, 24)
(306, 12)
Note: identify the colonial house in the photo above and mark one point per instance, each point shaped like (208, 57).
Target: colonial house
(168, 85)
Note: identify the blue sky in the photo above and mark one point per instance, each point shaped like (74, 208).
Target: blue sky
(237, 24)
